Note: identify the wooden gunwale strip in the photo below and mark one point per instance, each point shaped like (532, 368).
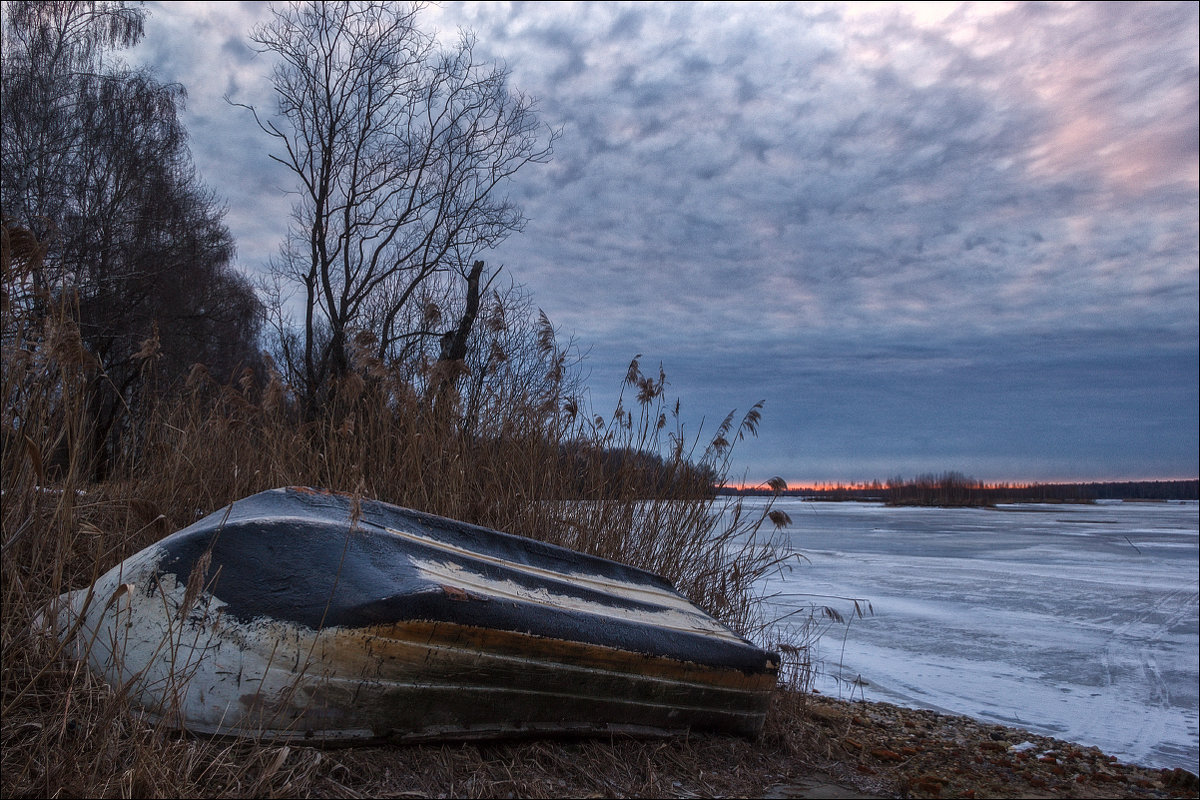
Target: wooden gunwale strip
(554, 654)
(361, 684)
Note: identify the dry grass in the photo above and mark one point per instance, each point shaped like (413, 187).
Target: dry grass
(527, 462)
(138, 761)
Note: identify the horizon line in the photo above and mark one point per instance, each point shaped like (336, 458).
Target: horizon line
(823, 486)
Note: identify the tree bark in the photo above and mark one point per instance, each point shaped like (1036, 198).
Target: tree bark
(454, 343)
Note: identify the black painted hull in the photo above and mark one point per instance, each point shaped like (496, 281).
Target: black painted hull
(301, 622)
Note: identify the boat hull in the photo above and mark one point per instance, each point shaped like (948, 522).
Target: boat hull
(298, 614)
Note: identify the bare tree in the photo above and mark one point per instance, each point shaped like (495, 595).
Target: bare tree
(53, 65)
(402, 151)
(96, 166)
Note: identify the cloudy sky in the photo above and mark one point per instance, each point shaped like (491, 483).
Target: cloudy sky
(928, 236)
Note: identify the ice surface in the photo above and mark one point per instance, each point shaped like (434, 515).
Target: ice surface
(1080, 622)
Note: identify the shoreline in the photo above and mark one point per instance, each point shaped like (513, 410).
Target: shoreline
(1031, 728)
(885, 750)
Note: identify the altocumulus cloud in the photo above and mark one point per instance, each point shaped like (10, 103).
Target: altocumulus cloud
(931, 237)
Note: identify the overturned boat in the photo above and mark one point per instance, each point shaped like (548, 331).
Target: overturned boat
(304, 614)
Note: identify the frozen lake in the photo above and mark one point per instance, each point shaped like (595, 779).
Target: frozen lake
(1079, 622)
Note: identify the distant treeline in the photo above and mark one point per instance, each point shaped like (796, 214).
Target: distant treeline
(956, 489)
